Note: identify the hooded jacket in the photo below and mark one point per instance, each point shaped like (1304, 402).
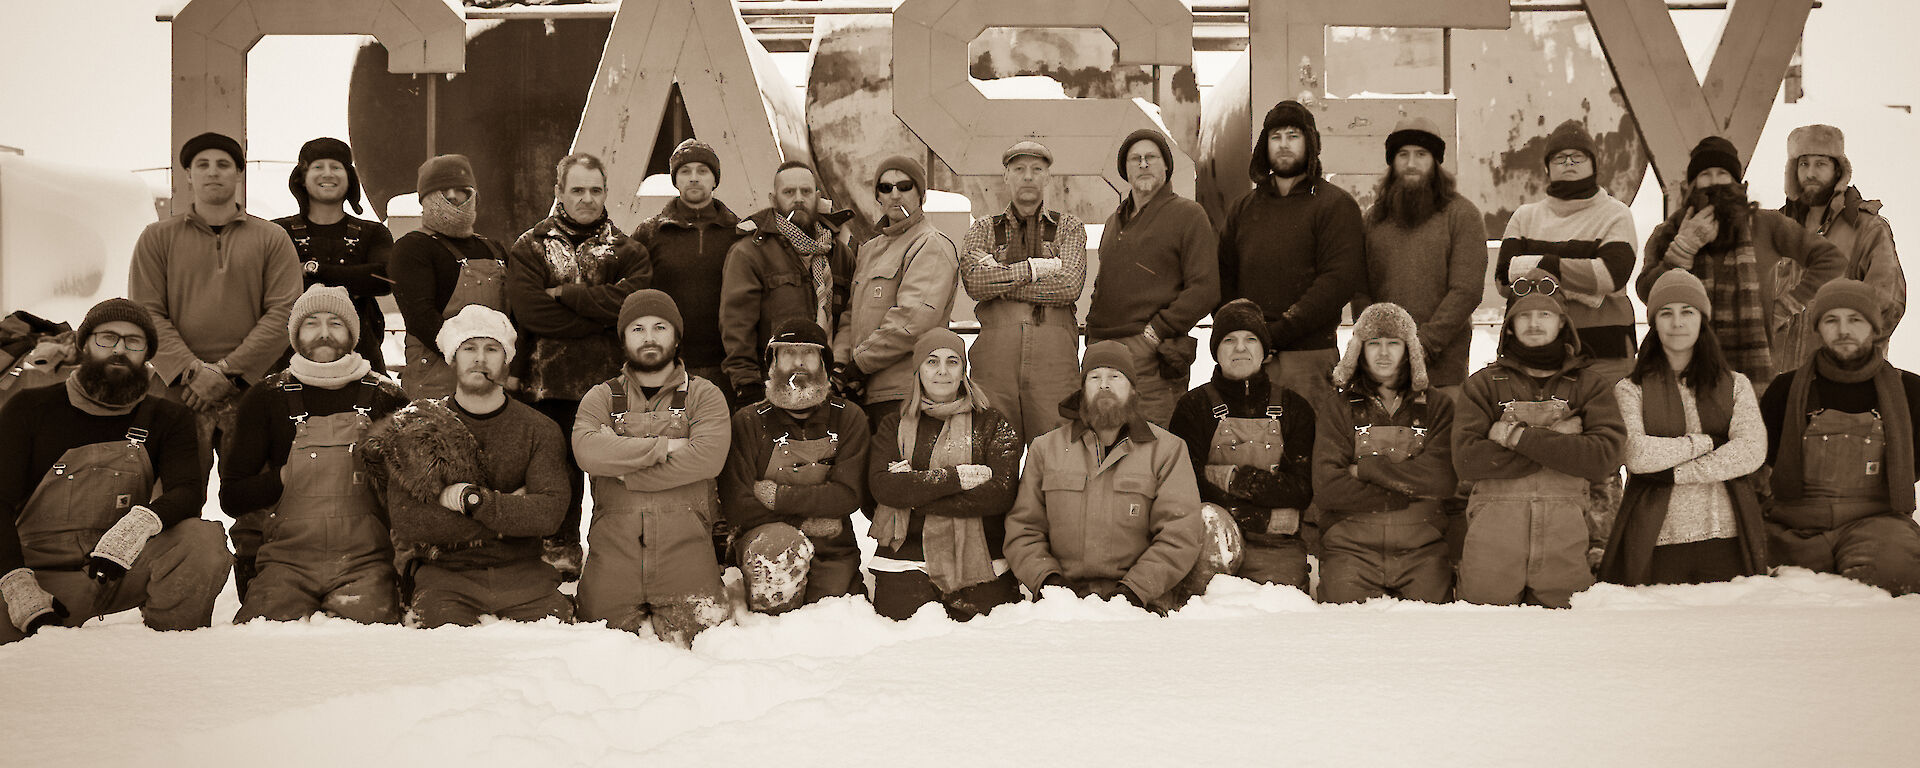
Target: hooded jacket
(1864, 238)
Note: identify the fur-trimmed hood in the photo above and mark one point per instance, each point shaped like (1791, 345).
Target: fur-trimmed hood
(1384, 320)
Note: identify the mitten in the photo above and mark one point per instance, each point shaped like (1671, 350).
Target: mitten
(121, 544)
(29, 606)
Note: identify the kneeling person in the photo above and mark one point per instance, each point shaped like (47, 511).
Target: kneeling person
(653, 441)
(795, 473)
(326, 545)
(1381, 466)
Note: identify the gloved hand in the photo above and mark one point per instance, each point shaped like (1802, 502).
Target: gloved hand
(1696, 230)
(1052, 580)
(849, 381)
(29, 606)
(973, 475)
(455, 498)
(767, 491)
(208, 387)
(1127, 592)
(1041, 267)
(1220, 475)
(121, 544)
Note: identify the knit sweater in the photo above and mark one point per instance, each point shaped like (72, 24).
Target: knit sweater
(937, 492)
(575, 344)
(1157, 265)
(522, 452)
(38, 425)
(213, 296)
(1588, 246)
(1299, 256)
(1404, 266)
(689, 249)
(1699, 507)
(250, 467)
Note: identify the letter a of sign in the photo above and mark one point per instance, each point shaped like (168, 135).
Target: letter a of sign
(703, 45)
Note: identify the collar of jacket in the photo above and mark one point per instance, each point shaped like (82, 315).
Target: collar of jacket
(760, 223)
(897, 228)
(603, 229)
(677, 382)
(716, 214)
(193, 218)
(1239, 393)
(1136, 430)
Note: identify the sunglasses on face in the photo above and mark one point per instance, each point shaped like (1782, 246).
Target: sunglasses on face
(1547, 286)
(887, 189)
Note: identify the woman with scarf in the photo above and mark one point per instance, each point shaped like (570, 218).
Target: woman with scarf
(1694, 440)
(943, 471)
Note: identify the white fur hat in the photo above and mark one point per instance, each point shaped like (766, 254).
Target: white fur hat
(1384, 321)
(475, 321)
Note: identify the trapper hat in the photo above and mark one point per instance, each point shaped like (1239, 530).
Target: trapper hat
(324, 148)
(797, 330)
(1384, 321)
(1817, 140)
(1419, 132)
(210, 140)
(443, 173)
(120, 310)
(1679, 286)
(1714, 152)
(1283, 114)
(1842, 293)
(694, 151)
(1107, 354)
(475, 321)
(326, 298)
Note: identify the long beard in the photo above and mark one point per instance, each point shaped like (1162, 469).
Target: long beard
(796, 390)
(112, 384)
(1106, 410)
(1410, 202)
(441, 216)
(667, 358)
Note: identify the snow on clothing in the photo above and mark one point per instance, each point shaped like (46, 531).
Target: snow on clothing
(936, 491)
(250, 477)
(434, 277)
(1403, 266)
(689, 248)
(1157, 266)
(819, 465)
(1844, 500)
(1252, 443)
(1024, 357)
(1526, 536)
(1092, 515)
(903, 285)
(1587, 245)
(351, 253)
(574, 344)
(215, 297)
(1299, 256)
(766, 281)
(1775, 239)
(1865, 239)
(654, 505)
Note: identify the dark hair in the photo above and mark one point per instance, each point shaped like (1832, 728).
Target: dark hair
(1702, 373)
(1363, 380)
(581, 159)
(790, 164)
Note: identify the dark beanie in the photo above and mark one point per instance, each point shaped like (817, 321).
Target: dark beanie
(905, 165)
(1159, 140)
(211, 140)
(1570, 135)
(126, 310)
(1714, 152)
(1240, 315)
(324, 148)
(1107, 354)
(1419, 132)
(694, 151)
(444, 172)
(651, 302)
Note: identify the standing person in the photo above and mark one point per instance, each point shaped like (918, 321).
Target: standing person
(218, 283)
(943, 469)
(442, 268)
(1822, 198)
(1294, 246)
(1694, 440)
(1107, 504)
(903, 285)
(566, 279)
(337, 249)
(654, 439)
(474, 482)
(1735, 248)
(1252, 441)
(82, 531)
(1584, 238)
(1026, 267)
(1532, 431)
(791, 264)
(1840, 433)
(689, 240)
(326, 545)
(1382, 464)
(1158, 275)
(796, 472)
(1422, 232)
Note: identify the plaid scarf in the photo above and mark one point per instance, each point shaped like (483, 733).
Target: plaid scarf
(814, 250)
(956, 547)
(1740, 317)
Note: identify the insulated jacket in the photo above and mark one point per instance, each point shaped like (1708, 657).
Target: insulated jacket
(1592, 454)
(1383, 483)
(766, 282)
(689, 249)
(903, 286)
(1291, 486)
(937, 492)
(643, 464)
(215, 297)
(756, 427)
(1856, 228)
(575, 344)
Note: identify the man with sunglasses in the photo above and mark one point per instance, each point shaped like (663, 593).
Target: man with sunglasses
(82, 533)
(903, 285)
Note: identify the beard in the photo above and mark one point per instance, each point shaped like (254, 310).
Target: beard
(1287, 170)
(1410, 201)
(1815, 193)
(113, 380)
(485, 387)
(637, 361)
(796, 389)
(801, 216)
(339, 344)
(1105, 410)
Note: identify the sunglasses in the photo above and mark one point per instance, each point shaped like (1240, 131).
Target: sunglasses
(1546, 285)
(886, 188)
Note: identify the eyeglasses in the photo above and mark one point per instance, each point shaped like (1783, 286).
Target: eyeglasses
(1144, 160)
(108, 339)
(1546, 285)
(1569, 159)
(887, 189)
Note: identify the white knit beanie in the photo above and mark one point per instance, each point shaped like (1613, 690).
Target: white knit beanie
(475, 321)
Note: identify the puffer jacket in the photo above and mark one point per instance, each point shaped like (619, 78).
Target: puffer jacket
(903, 285)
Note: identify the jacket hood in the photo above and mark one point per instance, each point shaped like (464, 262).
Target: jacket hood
(1384, 321)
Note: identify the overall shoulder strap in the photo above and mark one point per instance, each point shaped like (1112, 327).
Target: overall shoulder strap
(618, 388)
(138, 429)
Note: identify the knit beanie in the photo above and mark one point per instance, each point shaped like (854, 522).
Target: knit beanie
(1419, 132)
(797, 329)
(694, 151)
(324, 148)
(1570, 135)
(1240, 315)
(123, 310)
(1159, 140)
(1537, 299)
(325, 298)
(1107, 354)
(444, 172)
(211, 140)
(1384, 321)
(475, 321)
(1841, 293)
(1285, 114)
(1678, 286)
(651, 302)
(1714, 152)
(908, 166)
(938, 338)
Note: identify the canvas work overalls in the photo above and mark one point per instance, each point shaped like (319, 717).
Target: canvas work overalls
(1527, 537)
(481, 281)
(788, 566)
(1843, 522)
(1026, 357)
(1400, 553)
(1274, 553)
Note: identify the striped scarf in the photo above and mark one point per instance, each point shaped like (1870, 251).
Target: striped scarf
(1740, 317)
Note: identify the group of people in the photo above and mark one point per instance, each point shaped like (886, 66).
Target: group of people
(732, 390)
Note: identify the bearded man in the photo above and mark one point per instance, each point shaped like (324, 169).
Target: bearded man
(1822, 198)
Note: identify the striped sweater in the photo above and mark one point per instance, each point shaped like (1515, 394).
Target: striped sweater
(1589, 246)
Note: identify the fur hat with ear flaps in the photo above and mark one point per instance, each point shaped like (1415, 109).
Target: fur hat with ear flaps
(1384, 321)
